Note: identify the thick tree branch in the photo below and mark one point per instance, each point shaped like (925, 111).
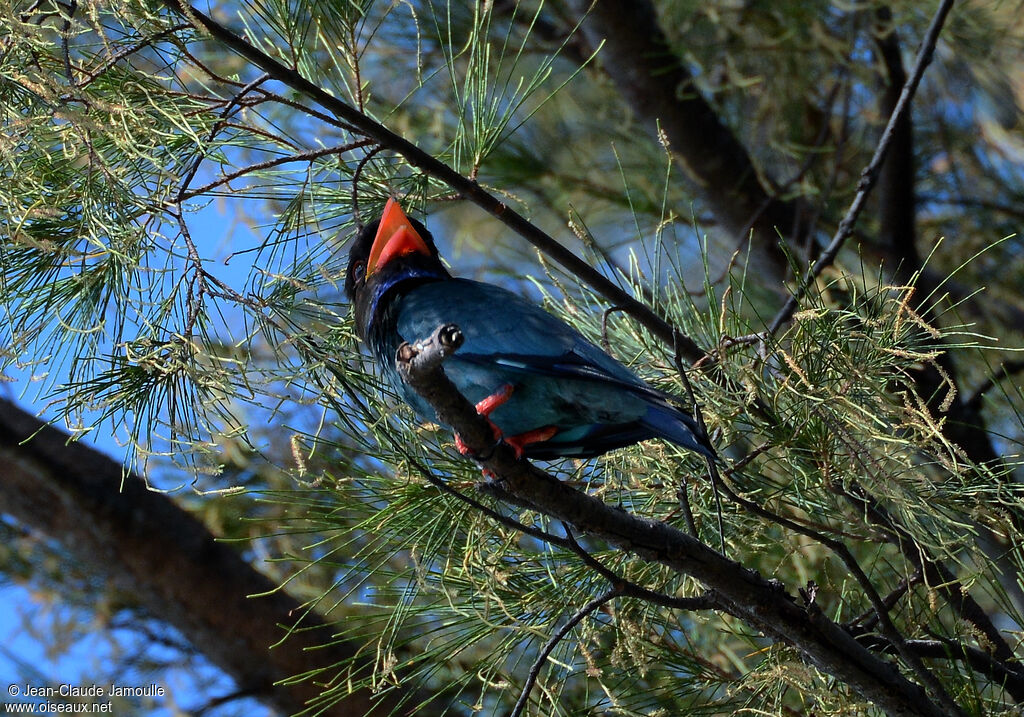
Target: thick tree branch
(897, 203)
(881, 608)
(763, 604)
(625, 588)
(660, 89)
(151, 548)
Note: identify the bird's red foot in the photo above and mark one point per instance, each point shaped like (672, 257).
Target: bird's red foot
(487, 405)
(537, 435)
(484, 407)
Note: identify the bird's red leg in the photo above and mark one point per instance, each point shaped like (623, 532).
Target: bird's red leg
(485, 407)
(537, 435)
(461, 447)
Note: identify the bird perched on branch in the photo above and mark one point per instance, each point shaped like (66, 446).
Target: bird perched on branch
(547, 391)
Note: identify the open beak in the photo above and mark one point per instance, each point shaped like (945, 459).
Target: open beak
(395, 237)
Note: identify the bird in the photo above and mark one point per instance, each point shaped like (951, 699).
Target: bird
(547, 391)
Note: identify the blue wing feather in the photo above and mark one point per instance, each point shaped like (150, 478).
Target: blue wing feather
(559, 378)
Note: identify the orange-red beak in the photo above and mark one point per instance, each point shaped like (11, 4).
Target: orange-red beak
(395, 237)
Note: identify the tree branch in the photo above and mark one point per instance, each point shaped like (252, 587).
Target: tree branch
(431, 166)
(146, 544)
(627, 588)
(636, 54)
(870, 174)
(897, 203)
(881, 607)
(309, 156)
(763, 604)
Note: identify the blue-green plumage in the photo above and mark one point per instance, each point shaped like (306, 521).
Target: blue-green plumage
(559, 379)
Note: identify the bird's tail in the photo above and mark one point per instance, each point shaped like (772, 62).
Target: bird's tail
(670, 423)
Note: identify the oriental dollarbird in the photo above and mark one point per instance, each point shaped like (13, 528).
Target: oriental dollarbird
(548, 392)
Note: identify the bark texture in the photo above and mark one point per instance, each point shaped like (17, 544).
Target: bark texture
(661, 91)
(149, 546)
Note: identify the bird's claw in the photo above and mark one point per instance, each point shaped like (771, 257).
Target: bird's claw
(485, 407)
(465, 450)
(518, 443)
(537, 435)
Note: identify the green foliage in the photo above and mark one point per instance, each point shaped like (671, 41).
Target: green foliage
(476, 600)
(127, 136)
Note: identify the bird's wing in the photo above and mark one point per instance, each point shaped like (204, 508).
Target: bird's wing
(502, 328)
(569, 366)
(507, 336)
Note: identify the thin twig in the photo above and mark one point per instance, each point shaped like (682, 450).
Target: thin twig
(206, 68)
(1009, 675)
(193, 302)
(232, 106)
(936, 575)
(605, 344)
(316, 114)
(277, 161)
(870, 174)
(65, 45)
(684, 502)
(813, 155)
(868, 619)
(198, 286)
(538, 664)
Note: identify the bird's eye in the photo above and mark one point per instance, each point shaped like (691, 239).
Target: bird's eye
(359, 271)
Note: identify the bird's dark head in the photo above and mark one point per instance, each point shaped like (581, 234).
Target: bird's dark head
(388, 253)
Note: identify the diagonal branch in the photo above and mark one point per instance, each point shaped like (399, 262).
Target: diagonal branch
(870, 174)
(148, 546)
(763, 604)
(559, 635)
(881, 608)
(434, 167)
